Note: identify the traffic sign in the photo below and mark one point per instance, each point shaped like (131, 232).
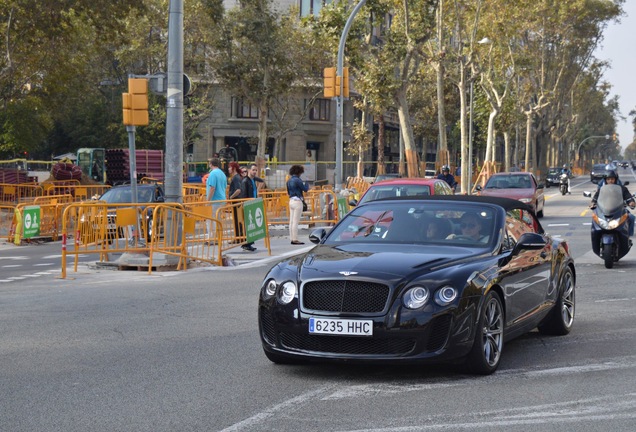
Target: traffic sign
(255, 220)
(31, 222)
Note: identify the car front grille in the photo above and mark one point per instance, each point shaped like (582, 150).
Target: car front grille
(344, 296)
(346, 345)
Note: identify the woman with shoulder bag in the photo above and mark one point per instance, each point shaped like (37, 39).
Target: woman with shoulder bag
(295, 189)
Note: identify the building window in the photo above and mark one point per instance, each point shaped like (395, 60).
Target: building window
(320, 110)
(243, 109)
(312, 7)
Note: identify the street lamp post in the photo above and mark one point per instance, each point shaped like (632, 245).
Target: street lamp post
(578, 157)
(340, 97)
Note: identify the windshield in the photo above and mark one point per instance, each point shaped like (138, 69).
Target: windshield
(610, 198)
(447, 223)
(124, 195)
(509, 182)
(393, 191)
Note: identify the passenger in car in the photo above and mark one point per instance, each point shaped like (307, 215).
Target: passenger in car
(438, 229)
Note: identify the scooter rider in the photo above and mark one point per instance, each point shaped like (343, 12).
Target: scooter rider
(566, 171)
(447, 177)
(612, 178)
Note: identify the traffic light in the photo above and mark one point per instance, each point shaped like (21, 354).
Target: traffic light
(614, 137)
(329, 75)
(345, 83)
(135, 102)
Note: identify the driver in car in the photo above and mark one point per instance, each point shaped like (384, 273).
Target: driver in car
(471, 226)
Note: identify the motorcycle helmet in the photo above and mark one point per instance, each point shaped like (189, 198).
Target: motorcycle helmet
(612, 174)
(445, 168)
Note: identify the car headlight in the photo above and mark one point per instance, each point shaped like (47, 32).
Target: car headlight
(415, 297)
(445, 295)
(270, 289)
(287, 292)
(525, 200)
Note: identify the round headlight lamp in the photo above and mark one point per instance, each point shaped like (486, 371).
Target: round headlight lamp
(270, 288)
(287, 292)
(415, 297)
(445, 295)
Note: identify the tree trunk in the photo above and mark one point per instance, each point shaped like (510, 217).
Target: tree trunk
(506, 136)
(528, 140)
(262, 132)
(466, 163)
(381, 167)
(407, 134)
(490, 136)
(442, 154)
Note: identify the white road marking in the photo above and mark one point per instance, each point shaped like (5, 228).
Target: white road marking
(558, 225)
(612, 407)
(12, 265)
(15, 258)
(43, 264)
(15, 278)
(269, 412)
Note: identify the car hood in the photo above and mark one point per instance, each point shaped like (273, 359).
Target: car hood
(509, 193)
(391, 262)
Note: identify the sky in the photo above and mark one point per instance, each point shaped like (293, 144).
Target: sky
(618, 47)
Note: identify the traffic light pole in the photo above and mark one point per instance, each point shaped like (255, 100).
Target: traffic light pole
(340, 97)
(174, 105)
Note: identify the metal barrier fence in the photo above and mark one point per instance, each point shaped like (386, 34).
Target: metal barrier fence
(190, 235)
(185, 235)
(103, 229)
(50, 222)
(78, 191)
(17, 193)
(6, 220)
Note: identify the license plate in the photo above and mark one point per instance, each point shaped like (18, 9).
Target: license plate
(341, 327)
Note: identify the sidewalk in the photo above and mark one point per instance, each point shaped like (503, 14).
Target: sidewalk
(280, 245)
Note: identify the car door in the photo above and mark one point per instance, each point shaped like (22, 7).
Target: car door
(526, 276)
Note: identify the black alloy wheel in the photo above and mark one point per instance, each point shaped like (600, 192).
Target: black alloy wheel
(559, 321)
(485, 354)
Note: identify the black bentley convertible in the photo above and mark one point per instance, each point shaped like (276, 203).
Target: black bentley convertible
(438, 279)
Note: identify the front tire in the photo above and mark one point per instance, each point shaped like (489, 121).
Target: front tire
(608, 255)
(559, 321)
(485, 354)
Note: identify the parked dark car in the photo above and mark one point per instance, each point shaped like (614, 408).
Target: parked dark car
(521, 186)
(599, 171)
(378, 289)
(146, 193)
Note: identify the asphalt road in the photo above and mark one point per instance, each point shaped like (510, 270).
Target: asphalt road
(124, 351)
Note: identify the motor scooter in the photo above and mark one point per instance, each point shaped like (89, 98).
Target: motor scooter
(610, 231)
(563, 183)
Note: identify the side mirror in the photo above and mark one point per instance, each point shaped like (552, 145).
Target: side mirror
(317, 235)
(587, 194)
(540, 186)
(478, 188)
(625, 183)
(353, 202)
(530, 241)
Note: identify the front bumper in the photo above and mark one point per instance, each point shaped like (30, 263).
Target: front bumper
(397, 337)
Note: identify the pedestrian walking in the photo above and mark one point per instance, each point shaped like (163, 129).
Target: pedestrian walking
(295, 189)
